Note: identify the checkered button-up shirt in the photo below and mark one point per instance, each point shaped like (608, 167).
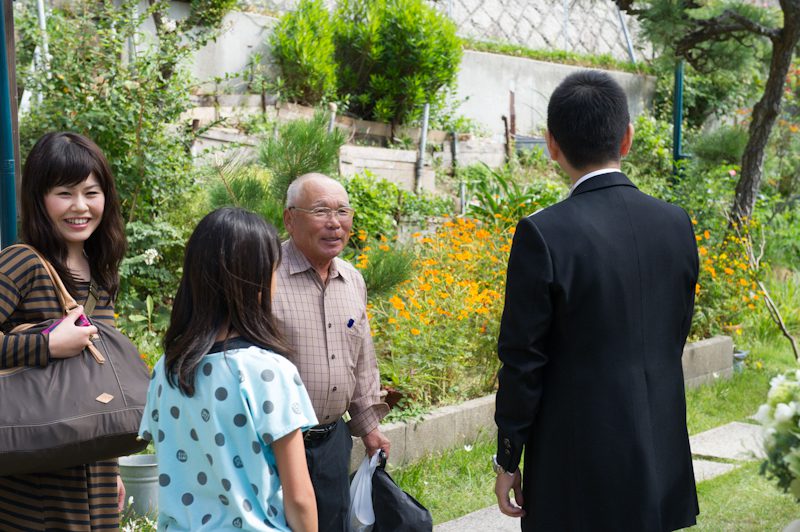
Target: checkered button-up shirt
(327, 326)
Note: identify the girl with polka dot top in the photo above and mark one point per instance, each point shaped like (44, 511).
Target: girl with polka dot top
(225, 410)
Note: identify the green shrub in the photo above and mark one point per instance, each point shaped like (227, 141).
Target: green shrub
(301, 146)
(302, 46)
(649, 163)
(496, 197)
(393, 56)
(154, 259)
(247, 187)
(386, 267)
(380, 205)
(127, 107)
(375, 202)
(209, 13)
(724, 145)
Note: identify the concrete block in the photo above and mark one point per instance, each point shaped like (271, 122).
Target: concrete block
(706, 470)
(734, 441)
(473, 418)
(707, 360)
(434, 433)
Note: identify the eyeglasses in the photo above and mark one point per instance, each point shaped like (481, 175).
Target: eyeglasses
(323, 213)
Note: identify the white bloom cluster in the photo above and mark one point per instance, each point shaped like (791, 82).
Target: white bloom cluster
(151, 256)
(780, 421)
(169, 25)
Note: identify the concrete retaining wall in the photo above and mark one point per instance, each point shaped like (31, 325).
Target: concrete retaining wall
(483, 82)
(451, 426)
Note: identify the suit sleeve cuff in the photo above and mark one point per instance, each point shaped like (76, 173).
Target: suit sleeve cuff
(509, 453)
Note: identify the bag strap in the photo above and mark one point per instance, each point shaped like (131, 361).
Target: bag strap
(91, 299)
(65, 299)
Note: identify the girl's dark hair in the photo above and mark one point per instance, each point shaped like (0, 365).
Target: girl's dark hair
(67, 159)
(226, 286)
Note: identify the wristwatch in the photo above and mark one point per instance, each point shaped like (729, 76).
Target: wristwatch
(498, 468)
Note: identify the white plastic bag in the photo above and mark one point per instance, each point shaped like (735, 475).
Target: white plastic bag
(362, 516)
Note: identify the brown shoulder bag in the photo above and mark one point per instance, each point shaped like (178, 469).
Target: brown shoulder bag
(75, 410)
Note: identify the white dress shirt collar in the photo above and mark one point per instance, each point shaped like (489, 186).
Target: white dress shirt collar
(591, 175)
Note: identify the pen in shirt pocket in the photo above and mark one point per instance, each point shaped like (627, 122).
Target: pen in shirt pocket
(350, 323)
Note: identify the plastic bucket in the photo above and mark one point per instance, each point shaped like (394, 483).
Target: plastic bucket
(139, 473)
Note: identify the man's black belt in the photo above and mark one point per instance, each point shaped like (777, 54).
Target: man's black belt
(319, 432)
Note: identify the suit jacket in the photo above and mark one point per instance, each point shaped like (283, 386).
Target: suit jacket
(599, 299)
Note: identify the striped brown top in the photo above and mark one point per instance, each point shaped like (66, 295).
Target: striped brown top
(79, 498)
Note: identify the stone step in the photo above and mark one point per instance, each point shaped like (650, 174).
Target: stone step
(734, 441)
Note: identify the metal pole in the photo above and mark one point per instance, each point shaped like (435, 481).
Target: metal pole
(627, 36)
(43, 29)
(8, 197)
(423, 140)
(565, 27)
(332, 107)
(677, 117)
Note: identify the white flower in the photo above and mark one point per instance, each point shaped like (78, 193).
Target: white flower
(784, 412)
(151, 256)
(762, 416)
(775, 381)
(169, 25)
(468, 448)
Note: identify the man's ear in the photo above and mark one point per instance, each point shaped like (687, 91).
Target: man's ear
(627, 141)
(552, 146)
(287, 221)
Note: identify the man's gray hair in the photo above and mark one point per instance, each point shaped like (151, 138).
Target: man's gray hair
(296, 186)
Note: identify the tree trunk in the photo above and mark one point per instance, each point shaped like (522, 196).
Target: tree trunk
(765, 113)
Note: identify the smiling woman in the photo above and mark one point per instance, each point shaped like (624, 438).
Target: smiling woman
(70, 214)
(75, 212)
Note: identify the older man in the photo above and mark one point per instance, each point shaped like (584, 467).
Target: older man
(321, 306)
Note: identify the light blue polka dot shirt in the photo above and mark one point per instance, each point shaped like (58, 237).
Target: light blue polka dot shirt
(216, 466)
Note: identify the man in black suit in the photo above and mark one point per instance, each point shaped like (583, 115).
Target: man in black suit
(599, 299)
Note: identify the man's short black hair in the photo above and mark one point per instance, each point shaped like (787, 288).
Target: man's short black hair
(588, 116)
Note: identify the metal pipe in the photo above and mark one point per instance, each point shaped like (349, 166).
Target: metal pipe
(8, 197)
(677, 117)
(423, 140)
(627, 35)
(332, 107)
(43, 28)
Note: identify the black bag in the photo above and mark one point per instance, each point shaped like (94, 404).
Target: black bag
(76, 410)
(396, 510)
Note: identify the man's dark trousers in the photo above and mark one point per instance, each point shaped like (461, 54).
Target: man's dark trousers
(329, 466)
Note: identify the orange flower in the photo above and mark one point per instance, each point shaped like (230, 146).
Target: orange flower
(415, 332)
(706, 234)
(703, 251)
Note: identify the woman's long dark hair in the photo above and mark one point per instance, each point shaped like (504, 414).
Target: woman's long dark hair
(226, 286)
(67, 159)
